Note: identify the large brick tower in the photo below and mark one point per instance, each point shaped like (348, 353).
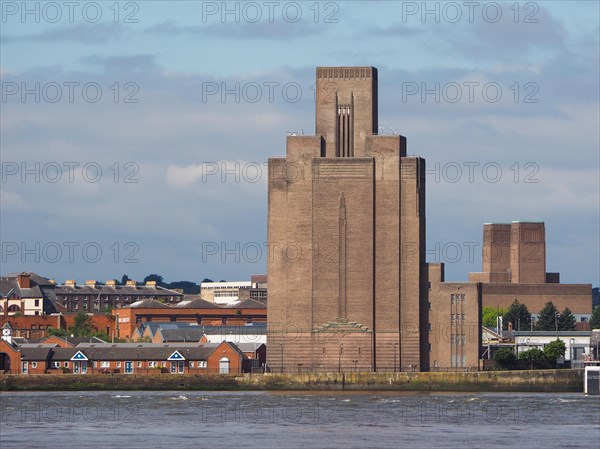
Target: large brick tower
(346, 231)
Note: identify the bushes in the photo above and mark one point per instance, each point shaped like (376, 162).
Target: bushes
(505, 358)
(532, 358)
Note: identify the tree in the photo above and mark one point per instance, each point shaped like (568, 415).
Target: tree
(156, 278)
(504, 357)
(595, 320)
(547, 319)
(534, 357)
(489, 316)
(82, 326)
(56, 332)
(124, 279)
(518, 315)
(554, 350)
(566, 321)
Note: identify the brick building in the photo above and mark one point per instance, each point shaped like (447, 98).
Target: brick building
(514, 267)
(346, 232)
(26, 294)
(124, 358)
(194, 310)
(94, 296)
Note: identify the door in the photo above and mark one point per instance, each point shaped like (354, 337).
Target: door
(128, 367)
(177, 367)
(224, 366)
(80, 367)
(24, 367)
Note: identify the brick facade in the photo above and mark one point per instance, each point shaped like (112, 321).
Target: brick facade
(346, 233)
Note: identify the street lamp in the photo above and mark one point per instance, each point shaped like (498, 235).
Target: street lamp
(340, 358)
(571, 351)
(355, 362)
(395, 349)
(281, 344)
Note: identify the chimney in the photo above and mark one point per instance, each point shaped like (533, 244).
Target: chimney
(70, 283)
(24, 280)
(91, 283)
(131, 283)
(52, 281)
(111, 283)
(151, 284)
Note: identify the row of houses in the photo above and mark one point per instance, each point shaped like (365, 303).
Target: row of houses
(56, 356)
(32, 294)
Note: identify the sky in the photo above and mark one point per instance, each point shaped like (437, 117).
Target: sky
(134, 135)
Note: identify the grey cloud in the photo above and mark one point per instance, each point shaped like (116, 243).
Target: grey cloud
(86, 33)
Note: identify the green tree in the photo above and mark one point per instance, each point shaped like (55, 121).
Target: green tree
(124, 279)
(82, 325)
(518, 315)
(566, 321)
(534, 357)
(547, 319)
(504, 358)
(554, 350)
(56, 332)
(489, 315)
(595, 320)
(155, 277)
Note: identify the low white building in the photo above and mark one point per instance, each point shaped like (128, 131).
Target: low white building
(577, 342)
(223, 292)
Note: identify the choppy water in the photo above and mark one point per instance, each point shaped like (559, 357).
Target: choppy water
(142, 419)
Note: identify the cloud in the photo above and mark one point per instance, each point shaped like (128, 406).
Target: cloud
(262, 30)
(85, 33)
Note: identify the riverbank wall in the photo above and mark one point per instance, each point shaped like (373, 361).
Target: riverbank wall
(570, 380)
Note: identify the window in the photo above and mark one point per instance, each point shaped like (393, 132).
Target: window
(34, 364)
(37, 303)
(76, 306)
(66, 364)
(55, 364)
(95, 364)
(104, 364)
(118, 364)
(139, 364)
(85, 305)
(191, 364)
(163, 364)
(152, 365)
(428, 326)
(202, 364)
(583, 319)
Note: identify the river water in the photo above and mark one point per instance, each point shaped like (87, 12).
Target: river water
(148, 419)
